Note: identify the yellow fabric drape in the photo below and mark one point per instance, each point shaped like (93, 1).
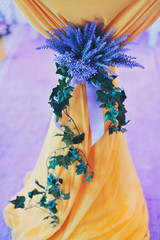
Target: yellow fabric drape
(112, 205)
(126, 16)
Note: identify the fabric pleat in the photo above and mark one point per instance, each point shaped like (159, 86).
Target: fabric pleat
(125, 16)
(112, 205)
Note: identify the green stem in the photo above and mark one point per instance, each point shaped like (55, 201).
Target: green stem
(71, 120)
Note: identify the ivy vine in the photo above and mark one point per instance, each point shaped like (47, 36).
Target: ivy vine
(65, 156)
(112, 99)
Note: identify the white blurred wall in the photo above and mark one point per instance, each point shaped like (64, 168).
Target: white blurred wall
(11, 12)
(154, 31)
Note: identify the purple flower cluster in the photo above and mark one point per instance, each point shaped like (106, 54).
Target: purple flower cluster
(87, 50)
(77, 67)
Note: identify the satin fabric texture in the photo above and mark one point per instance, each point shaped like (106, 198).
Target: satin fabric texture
(112, 205)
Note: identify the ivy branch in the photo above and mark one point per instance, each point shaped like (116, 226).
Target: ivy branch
(112, 99)
(65, 156)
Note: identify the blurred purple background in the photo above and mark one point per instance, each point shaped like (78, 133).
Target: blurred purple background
(26, 79)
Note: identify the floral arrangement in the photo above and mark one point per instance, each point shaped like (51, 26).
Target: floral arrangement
(88, 51)
(4, 27)
(84, 54)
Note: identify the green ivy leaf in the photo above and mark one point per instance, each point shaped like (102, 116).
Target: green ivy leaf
(58, 134)
(98, 78)
(43, 202)
(103, 105)
(123, 130)
(62, 83)
(116, 88)
(61, 160)
(33, 193)
(78, 139)
(57, 118)
(52, 206)
(123, 96)
(112, 129)
(68, 131)
(54, 93)
(19, 202)
(55, 192)
(53, 223)
(65, 196)
(64, 161)
(53, 163)
(88, 178)
(67, 136)
(107, 85)
(55, 220)
(111, 115)
(67, 140)
(108, 116)
(81, 168)
(59, 107)
(73, 153)
(52, 180)
(101, 96)
(62, 70)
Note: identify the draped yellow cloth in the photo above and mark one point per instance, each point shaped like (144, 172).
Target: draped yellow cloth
(112, 205)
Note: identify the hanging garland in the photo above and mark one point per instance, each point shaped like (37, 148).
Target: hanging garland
(85, 54)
